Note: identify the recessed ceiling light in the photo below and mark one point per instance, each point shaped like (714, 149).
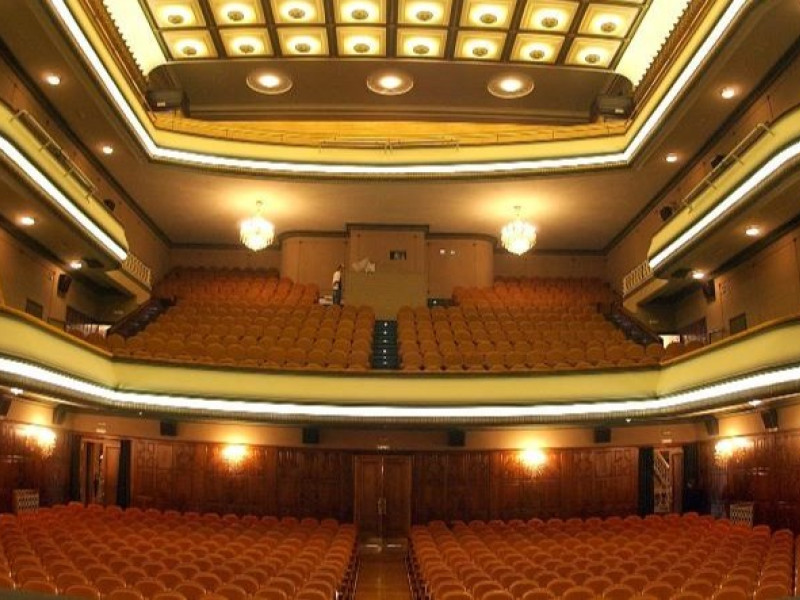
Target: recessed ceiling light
(698, 275)
(177, 15)
(107, 150)
(16, 391)
(671, 157)
(752, 231)
(392, 83)
(75, 264)
(728, 92)
(608, 24)
(627, 419)
(52, 79)
(510, 86)
(27, 221)
(237, 13)
(592, 58)
(269, 82)
(480, 50)
(550, 19)
(421, 48)
(296, 12)
(755, 402)
(190, 48)
(424, 15)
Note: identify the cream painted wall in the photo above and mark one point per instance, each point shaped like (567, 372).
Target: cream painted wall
(269, 258)
(376, 244)
(458, 262)
(313, 259)
(26, 275)
(548, 265)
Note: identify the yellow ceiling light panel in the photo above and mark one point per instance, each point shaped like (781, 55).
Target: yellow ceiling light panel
(298, 11)
(486, 13)
(537, 48)
(306, 41)
(361, 41)
(597, 53)
(554, 16)
(172, 14)
(237, 12)
(189, 45)
(424, 12)
(480, 45)
(243, 43)
(608, 20)
(354, 12)
(421, 43)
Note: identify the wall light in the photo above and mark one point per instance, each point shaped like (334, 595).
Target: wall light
(234, 454)
(726, 449)
(534, 459)
(41, 437)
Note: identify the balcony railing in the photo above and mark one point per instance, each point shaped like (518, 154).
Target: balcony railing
(134, 267)
(640, 274)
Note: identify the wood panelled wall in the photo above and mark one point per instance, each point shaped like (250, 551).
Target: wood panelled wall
(446, 485)
(22, 465)
(767, 473)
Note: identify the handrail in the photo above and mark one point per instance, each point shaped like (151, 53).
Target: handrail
(650, 336)
(48, 143)
(636, 277)
(733, 156)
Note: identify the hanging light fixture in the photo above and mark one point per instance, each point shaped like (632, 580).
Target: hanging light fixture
(518, 236)
(256, 232)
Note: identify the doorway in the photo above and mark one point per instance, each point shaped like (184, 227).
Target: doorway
(99, 471)
(383, 498)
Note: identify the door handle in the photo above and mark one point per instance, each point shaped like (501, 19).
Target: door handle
(381, 506)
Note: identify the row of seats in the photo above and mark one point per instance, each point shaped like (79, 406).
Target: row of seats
(110, 554)
(536, 291)
(657, 558)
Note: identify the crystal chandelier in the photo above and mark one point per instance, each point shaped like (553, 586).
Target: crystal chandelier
(256, 232)
(518, 236)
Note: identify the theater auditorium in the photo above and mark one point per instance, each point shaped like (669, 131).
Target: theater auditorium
(400, 299)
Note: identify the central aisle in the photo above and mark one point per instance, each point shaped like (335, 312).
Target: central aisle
(382, 574)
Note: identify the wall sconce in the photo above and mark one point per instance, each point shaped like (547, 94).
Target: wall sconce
(41, 438)
(234, 455)
(534, 459)
(726, 449)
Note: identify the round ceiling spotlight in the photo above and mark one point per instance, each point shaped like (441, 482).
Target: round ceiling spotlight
(424, 15)
(421, 49)
(480, 51)
(390, 83)
(488, 18)
(609, 26)
(361, 47)
(27, 221)
(52, 79)
(671, 158)
(302, 47)
(592, 58)
(728, 92)
(75, 265)
(538, 52)
(235, 15)
(270, 83)
(177, 15)
(549, 21)
(752, 231)
(509, 87)
(175, 19)
(246, 48)
(190, 48)
(359, 14)
(296, 13)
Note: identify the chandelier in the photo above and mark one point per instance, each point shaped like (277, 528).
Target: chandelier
(256, 232)
(518, 236)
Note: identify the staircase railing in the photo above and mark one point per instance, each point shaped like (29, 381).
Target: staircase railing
(138, 319)
(634, 328)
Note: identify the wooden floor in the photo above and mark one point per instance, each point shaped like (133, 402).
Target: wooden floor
(382, 574)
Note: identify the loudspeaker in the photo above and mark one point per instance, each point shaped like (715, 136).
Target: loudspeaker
(712, 425)
(59, 414)
(615, 107)
(456, 438)
(666, 213)
(709, 290)
(770, 419)
(166, 99)
(64, 281)
(310, 435)
(5, 406)
(602, 435)
(168, 428)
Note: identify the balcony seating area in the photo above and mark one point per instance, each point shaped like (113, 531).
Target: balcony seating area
(656, 558)
(111, 554)
(519, 325)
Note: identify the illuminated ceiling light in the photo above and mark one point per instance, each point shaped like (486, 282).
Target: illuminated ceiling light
(107, 150)
(269, 82)
(728, 92)
(304, 44)
(44, 438)
(725, 449)
(510, 86)
(421, 48)
(518, 236)
(424, 15)
(698, 275)
(538, 52)
(16, 391)
(361, 44)
(609, 24)
(593, 56)
(234, 454)
(671, 158)
(487, 15)
(298, 11)
(27, 221)
(550, 19)
(238, 13)
(752, 231)
(75, 265)
(177, 15)
(190, 48)
(256, 232)
(534, 458)
(52, 79)
(755, 402)
(392, 83)
(360, 11)
(248, 45)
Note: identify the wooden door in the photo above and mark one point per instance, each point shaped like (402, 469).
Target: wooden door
(99, 471)
(383, 497)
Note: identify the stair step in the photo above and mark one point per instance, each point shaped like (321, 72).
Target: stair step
(384, 345)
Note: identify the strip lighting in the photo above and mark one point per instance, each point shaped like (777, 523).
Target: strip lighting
(740, 193)
(309, 168)
(50, 189)
(753, 383)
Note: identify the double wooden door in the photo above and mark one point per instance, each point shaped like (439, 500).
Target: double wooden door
(383, 497)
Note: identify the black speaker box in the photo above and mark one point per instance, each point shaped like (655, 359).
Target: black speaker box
(166, 99)
(5, 406)
(456, 438)
(310, 435)
(709, 290)
(666, 212)
(770, 419)
(168, 428)
(59, 414)
(602, 435)
(615, 107)
(64, 281)
(712, 425)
